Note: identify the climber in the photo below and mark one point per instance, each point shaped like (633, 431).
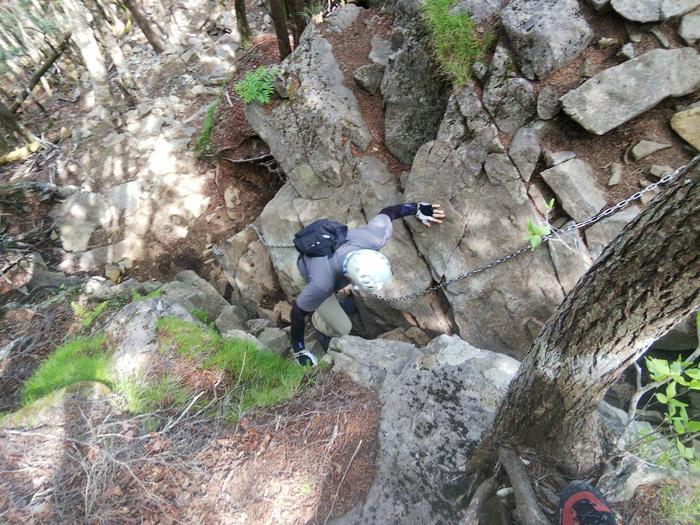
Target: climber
(334, 259)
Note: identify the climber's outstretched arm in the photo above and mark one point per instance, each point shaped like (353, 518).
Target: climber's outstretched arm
(424, 212)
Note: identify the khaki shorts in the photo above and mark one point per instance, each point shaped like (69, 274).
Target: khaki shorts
(331, 319)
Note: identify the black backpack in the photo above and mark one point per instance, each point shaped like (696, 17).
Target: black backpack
(321, 238)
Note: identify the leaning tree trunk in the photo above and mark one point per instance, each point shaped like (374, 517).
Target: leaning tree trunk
(242, 21)
(279, 20)
(90, 51)
(646, 281)
(140, 17)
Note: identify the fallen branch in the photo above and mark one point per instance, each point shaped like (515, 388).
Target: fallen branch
(252, 159)
(36, 77)
(20, 153)
(481, 495)
(528, 508)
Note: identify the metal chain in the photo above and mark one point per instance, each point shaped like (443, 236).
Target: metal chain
(262, 239)
(576, 226)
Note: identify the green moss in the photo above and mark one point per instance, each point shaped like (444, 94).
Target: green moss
(136, 296)
(202, 143)
(81, 359)
(456, 44)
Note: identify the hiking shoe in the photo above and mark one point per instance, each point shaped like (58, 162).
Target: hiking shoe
(306, 358)
(582, 504)
(324, 340)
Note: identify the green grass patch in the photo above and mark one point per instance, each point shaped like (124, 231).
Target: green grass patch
(202, 143)
(81, 359)
(456, 44)
(141, 398)
(201, 316)
(261, 378)
(188, 339)
(256, 85)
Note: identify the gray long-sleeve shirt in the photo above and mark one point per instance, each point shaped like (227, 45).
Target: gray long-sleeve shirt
(324, 275)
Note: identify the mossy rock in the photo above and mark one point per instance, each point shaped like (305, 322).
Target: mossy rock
(50, 409)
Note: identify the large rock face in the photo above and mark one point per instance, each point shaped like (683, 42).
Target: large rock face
(652, 10)
(437, 402)
(133, 334)
(509, 99)
(248, 268)
(545, 34)
(313, 145)
(487, 210)
(620, 93)
(415, 95)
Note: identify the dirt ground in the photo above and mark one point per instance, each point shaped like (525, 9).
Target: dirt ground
(299, 463)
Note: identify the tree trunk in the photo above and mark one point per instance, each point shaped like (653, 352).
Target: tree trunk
(279, 20)
(109, 42)
(297, 8)
(646, 281)
(90, 50)
(242, 21)
(140, 17)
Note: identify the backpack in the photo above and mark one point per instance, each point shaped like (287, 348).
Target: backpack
(321, 238)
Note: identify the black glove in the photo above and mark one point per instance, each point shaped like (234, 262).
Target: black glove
(427, 213)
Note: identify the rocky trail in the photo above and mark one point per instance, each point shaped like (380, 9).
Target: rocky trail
(584, 102)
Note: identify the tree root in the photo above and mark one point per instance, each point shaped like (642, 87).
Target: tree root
(481, 495)
(528, 507)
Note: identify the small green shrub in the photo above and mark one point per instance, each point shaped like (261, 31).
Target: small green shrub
(87, 316)
(202, 143)
(455, 42)
(81, 359)
(313, 11)
(256, 86)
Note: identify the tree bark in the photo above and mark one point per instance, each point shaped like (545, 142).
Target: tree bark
(242, 21)
(90, 50)
(140, 17)
(109, 42)
(645, 281)
(297, 8)
(279, 20)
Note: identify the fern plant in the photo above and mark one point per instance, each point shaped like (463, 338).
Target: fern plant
(257, 86)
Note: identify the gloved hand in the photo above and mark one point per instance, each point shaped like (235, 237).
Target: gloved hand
(427, 213)
(305, 358)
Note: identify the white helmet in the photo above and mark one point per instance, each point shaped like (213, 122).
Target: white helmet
(369, 270)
